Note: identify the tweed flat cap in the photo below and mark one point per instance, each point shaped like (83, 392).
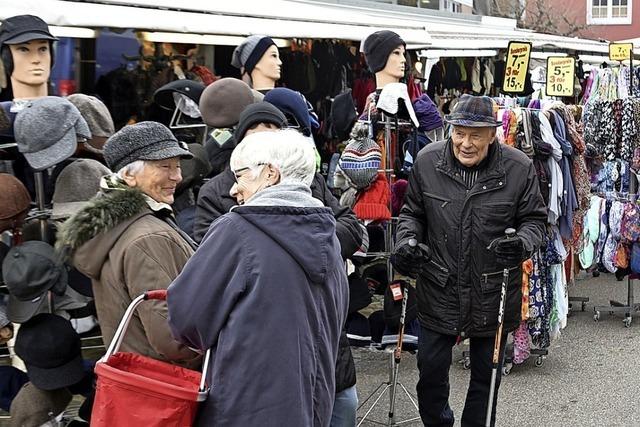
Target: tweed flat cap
(95, 113)
(142, 141)
(47, 131)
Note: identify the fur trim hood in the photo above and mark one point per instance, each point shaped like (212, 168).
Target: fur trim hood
(103, 213)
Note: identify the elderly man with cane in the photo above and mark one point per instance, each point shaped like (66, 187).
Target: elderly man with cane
(464, 193)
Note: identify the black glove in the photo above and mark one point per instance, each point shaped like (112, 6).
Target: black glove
(509, 251)
(408, 260)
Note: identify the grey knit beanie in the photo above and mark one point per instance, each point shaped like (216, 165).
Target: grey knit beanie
(360, 161)
(250, 51)
(142, 141)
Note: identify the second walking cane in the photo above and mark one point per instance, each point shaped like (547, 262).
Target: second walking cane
(510, 232)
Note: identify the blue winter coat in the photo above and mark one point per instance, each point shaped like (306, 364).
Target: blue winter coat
(268, 292)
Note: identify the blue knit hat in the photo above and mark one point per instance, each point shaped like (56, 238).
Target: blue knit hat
(293, 106)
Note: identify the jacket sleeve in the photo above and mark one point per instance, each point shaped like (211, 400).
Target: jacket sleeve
(531, 216)
(153, 262)
(348, 229)
(208, 209)
(201, 298)
(412, 219)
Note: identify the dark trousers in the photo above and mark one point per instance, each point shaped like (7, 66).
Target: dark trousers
(434, 361)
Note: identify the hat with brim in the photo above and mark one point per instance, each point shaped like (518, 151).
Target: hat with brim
(33, 406)
(63, 149)
(191, 89)
(21, 311)
(474, 112)
(47, 131)
(57, 377)
(27, 37)
(67, 209)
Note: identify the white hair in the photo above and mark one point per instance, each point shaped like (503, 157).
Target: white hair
(132, 169)
(287, 150)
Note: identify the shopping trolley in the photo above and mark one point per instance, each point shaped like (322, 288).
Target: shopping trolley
(135, 390)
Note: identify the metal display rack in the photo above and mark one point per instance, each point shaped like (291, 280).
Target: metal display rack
(393, 384)
(630, 306)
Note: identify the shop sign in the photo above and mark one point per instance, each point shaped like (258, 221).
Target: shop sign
(620, 51)
(516, 67)
(560, 76)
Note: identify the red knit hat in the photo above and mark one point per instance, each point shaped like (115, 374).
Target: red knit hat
(373, 203)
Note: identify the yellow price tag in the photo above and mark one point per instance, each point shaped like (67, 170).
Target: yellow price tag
(516, 67)
(560, 75)
(620, 51)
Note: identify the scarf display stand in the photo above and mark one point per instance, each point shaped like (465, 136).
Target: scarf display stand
(630, 306)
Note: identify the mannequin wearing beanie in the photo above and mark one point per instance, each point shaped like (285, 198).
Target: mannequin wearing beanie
(258, 59)
(385, 55)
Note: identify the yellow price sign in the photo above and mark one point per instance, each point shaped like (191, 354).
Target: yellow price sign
(620, 51)
(560, 75)
(516, 67)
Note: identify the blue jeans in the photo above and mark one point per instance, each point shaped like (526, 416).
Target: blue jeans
(344, 408)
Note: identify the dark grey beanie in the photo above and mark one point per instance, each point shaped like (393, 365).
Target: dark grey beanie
(142, 141)
(260, 112)
(250, 51)
(377, 48)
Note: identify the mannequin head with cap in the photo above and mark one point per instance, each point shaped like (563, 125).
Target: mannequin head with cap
(258, 59)
(385, 55)
(27, 55)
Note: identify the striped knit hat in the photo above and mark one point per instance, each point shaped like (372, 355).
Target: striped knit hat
(360, 161)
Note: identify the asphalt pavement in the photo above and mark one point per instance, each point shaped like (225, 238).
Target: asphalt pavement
(591, 376)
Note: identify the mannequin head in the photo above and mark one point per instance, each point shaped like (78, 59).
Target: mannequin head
(267, 71)
(26, 50)
(394, 69)
(258, 59)
(385, 55)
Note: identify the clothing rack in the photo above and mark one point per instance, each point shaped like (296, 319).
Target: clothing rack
(630, 306)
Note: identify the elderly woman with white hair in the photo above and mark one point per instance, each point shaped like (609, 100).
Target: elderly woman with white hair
(267, 292)
(125, 239)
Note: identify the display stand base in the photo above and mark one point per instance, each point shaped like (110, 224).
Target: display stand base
(627, 308)
(392, 386)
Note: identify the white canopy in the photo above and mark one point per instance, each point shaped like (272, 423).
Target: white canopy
(276, 18)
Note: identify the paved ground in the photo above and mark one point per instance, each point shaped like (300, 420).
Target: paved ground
(591, 376)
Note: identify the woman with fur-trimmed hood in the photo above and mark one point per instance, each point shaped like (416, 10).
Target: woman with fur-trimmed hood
(127, 242)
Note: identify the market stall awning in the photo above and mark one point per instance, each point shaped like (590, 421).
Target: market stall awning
(277, 18)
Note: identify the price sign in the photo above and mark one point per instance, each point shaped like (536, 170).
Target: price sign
(516, 67)
(620, 51)
(560, 76)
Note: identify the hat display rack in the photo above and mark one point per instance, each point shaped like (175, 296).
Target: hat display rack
(392, 124)
(182, 98)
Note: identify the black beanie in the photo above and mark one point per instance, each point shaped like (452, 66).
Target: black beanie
(377, 48)
(343, 115)
(260, 112)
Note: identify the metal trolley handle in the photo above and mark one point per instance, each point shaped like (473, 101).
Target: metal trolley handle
(116, 342)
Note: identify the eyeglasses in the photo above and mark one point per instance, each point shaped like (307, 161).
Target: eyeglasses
(236, 173)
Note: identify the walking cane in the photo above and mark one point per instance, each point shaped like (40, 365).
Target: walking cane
(510, 232)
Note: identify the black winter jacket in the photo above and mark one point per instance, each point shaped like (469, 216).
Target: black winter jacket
(459, 291)
(214, 201)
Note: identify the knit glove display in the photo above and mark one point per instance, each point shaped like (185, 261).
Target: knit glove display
(509, 251)
(408, 260)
